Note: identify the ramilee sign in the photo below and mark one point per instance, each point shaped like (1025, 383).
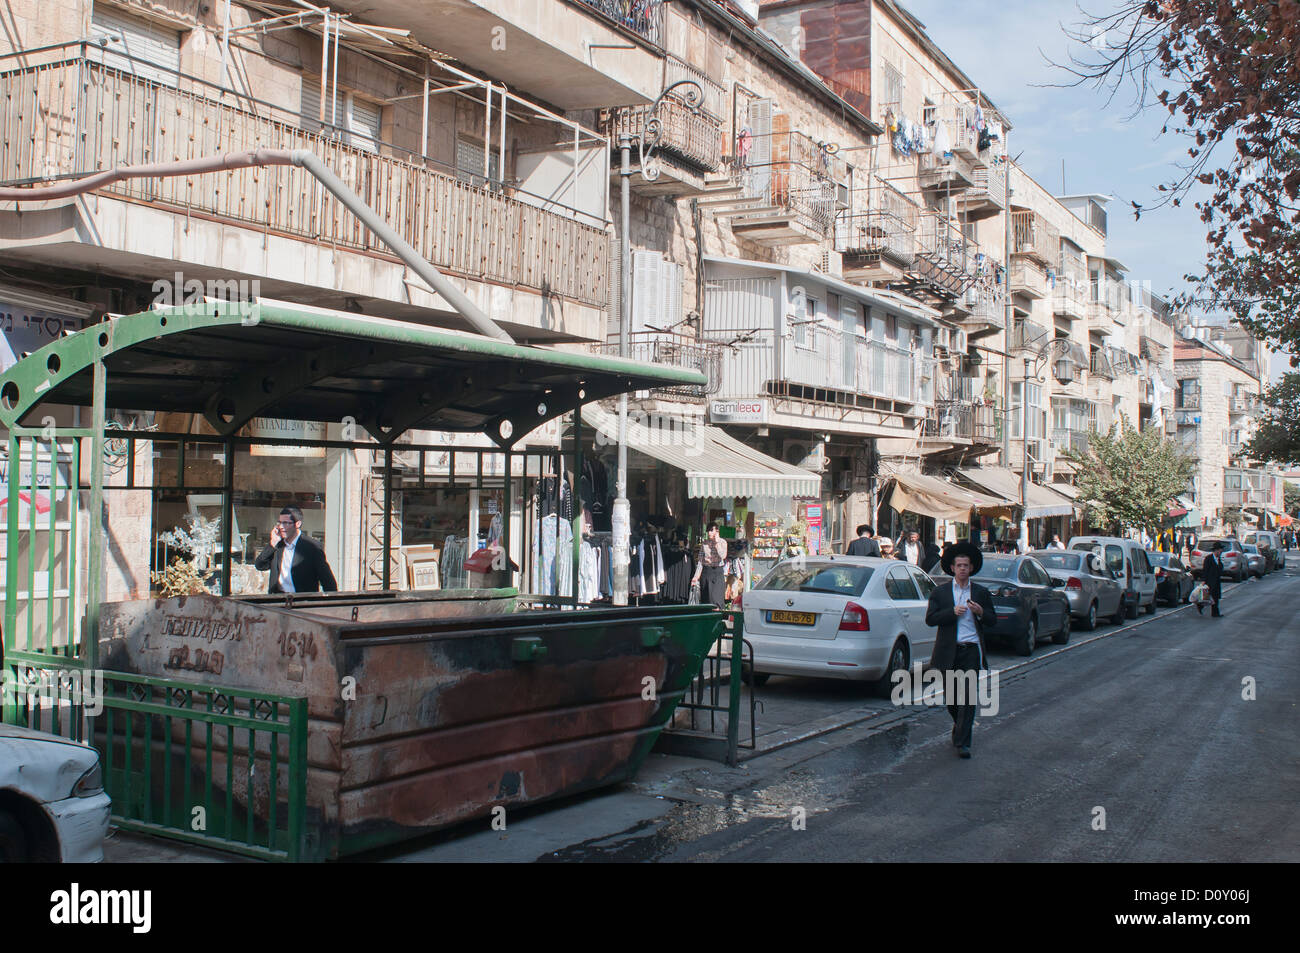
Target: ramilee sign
(738, 411)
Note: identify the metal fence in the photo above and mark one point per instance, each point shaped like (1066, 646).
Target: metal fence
(794, 174)
(645, 18)
(77, 114)
(651, 347)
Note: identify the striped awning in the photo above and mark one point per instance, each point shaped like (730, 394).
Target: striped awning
(716, 464)
(941, 499)
(1039, 500)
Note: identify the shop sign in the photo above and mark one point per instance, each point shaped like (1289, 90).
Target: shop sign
(42, 497)
(738, 411)
(26, 330)
(814, 528)
(285, 430)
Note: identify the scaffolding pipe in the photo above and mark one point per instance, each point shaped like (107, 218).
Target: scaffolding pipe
(436, 280)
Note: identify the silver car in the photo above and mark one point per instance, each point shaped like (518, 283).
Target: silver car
(1256, 562)
(1092, 589)
(1234, 558)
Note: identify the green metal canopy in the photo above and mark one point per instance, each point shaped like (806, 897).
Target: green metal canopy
(232, 362)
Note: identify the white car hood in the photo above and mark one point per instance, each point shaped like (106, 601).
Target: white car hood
(41, 765)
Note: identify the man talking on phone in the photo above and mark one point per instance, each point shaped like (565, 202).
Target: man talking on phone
(296, 562)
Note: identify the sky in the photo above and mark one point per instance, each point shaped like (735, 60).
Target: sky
(1004, 46)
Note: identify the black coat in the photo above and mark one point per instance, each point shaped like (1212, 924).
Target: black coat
(942, 613)
(1212, 573)
(863, 546)
(310, 570)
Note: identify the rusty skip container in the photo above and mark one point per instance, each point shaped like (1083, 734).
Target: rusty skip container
(428, 711)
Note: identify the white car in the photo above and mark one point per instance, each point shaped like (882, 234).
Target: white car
(52, 801)
(846, 617)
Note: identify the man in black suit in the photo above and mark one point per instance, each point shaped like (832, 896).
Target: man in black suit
(307, 569)
(960, 611)
(864, 545)
(1212, 573)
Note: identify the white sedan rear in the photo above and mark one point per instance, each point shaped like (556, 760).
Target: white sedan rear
(52, 801)
(847, 617)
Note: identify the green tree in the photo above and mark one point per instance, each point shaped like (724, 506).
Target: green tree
(1277, 432)
(1127, 477)
(1291, 498)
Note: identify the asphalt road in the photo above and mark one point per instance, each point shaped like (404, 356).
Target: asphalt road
(1131, 746)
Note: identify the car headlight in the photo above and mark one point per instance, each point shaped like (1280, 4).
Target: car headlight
(90, 783)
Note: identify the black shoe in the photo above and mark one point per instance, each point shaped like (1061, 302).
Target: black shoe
(1200, 609)
(964, 751)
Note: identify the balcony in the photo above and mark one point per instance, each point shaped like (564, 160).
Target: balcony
(1070, 296)
(1072, 441)
(689, 146)
(653, 347)
(821, 367)
(1100, 365)
(1028, 278)
(987, 195)
(1243, 404)
(975, 421)
(877, 237)
(1029, 336)
(1035, 238)
(983, 312)
(1247, 488)
(789, 189)
(945, 259)
(1183, 401)
(953, 172)
(82, 115)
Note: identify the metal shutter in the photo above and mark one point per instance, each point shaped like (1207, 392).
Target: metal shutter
(760, 153)
(153, 50)
(364, 123)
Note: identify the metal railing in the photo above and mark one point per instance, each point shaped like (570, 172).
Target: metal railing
(1034, 236)
(693, 137)
(1027, 335)
(953, 171)
(942, 242)
(76, 114)
(820, 369)
(1184, 401)
(653, 347)
(986, 307)
(990, 185)
(645, 18)
(1073, 440)
(1099, 365)
(1242, 405)
(964, 419)
(881, 220)
(793, 174)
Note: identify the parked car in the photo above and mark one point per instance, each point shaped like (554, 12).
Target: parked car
(52, 801)
(1234, 558)
(1091, 588)
(1128, 560)
(1256, 562)
(1174, 582)
(846, 617)
(1028, 602)
(1270, 546)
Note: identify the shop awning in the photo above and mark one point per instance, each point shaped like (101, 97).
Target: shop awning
(1000, 481)
(940, 499)
(716, 464)
(1066, 490)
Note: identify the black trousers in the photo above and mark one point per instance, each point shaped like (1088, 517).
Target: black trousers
(966, 660)
(713, 586)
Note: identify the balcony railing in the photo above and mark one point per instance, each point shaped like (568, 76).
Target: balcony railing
(76, 114)
(1100, 366)
(645, 18)
(822, 369)
(963, 419)
(693, 137)
(989, 189)
(881, 221)
(1034, 236)
(653, 347)
(1184, 401)
(942, 242)
(794, 176)
(953, 171)
(986, 308)
(1242, 405)
(1027, 335)
(1071, 440)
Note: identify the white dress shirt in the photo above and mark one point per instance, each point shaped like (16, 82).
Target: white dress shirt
(966, 631)
(912, 553)
(286, 566)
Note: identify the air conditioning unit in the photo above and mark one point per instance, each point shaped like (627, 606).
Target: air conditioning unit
(959, 340)
(832, 264)
(843, 200)
(805, 455)
(1171, 426)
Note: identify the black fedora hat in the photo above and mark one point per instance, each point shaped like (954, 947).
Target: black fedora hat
(962, 549)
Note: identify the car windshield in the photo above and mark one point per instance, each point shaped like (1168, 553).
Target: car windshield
(1206, 545)
(996, 569)
(818, 577)
(1251, 548)
(1159, 559)
(1058, 560)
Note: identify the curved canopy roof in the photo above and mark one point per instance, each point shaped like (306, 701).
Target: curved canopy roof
(233, 361)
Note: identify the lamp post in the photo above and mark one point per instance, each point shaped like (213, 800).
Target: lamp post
(647, 141)
(1063, 370)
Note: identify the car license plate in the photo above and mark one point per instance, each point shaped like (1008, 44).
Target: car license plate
(793, 618)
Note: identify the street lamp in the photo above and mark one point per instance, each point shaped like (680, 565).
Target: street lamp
(1057, 352)
(647, 142)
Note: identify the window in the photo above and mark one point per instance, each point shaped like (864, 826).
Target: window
(354, 121)
(818, 577)
(1027, 575)
(469, 162)
(1037, 416)
(138, 46)
(656, 292)
(923, 582)
(899, 585)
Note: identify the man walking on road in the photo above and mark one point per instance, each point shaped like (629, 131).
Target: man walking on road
(1212, 573)
(960, 612)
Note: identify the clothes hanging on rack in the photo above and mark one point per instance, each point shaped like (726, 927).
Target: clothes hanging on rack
(452, 565)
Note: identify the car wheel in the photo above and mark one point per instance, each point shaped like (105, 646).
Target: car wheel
(1090, 622)
(13, 840)
(1118, 617)
(749, 678)
(1030, 638)
(1151, 606)
(897, 663)
(1062, 637)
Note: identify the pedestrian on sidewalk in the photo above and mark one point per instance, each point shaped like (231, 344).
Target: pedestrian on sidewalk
(959, 612)
(865, 544)
(1212, 573)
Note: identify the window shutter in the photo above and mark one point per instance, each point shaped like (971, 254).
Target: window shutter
(760, 152)
(152, 50)
(647, 290)
(364, 124)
